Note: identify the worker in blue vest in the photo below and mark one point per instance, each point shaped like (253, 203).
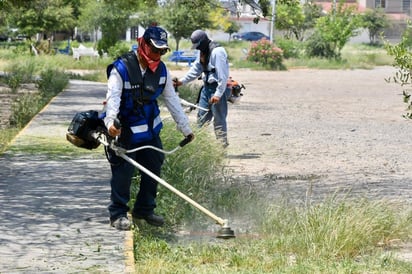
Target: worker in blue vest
(135, 81)
(212, 64)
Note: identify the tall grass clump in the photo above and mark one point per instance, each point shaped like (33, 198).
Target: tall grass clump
(26, 106)
(18, 73)
(335, 230)
(52, 81)
(336, 236)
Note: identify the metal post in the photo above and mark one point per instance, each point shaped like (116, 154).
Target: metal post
(272, 25)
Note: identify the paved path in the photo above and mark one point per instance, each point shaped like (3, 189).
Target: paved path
(54, 209)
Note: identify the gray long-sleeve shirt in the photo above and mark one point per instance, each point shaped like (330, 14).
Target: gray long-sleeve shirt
(219, 62)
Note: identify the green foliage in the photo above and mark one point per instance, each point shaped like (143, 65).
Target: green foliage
(51, 83)
(375, 21)
(118, 49)
(335, 236)
(6, 135)
(113, 24)
(24, 108)
(39, 16)
(290, 18)
(336, 229)
(290, 47)
(319, 46)
(267, 54)
(407, 35)
(312, 12)
(18, 73)
(195, 170)
(233, 27)
(332, 32)
(402, 55)
(182, 17)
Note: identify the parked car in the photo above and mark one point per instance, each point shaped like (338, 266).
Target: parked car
(250, 36)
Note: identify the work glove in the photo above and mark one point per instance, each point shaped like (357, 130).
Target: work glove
(187, 140)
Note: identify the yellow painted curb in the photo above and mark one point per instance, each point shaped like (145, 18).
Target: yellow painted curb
(129, 251)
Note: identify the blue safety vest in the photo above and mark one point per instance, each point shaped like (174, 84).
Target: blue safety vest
(139, 111)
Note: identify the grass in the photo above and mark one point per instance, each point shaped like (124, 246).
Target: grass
(337, 236)
(52, 147)
(353, 56)
(6, 136)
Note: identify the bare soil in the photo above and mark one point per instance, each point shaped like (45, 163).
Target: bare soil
(309, 134)
(331, 126)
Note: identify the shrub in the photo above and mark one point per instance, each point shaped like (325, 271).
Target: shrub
(118, 49)
(317, 46)
(402, 55)
(332, 32)
(18, 73)
(266, 53)
(51, 83)
(290, 47)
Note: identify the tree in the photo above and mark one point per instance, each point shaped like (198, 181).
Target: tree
(403, 62)
(332, 32)
(181, 18)
(42, 16)
(233, 27)
(111, 17)
(375, 20)
(290, 18)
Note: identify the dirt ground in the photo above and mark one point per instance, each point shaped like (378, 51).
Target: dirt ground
(330, 126)
(337, 129)
(302, 132)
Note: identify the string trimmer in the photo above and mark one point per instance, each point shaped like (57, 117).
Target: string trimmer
(87, 131)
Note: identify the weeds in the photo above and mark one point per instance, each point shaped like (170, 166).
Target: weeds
(335, 236)
(24, 108)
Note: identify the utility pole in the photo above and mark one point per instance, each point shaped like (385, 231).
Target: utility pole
(272, 25)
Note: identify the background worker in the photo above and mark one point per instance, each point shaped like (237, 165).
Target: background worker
(213, 63)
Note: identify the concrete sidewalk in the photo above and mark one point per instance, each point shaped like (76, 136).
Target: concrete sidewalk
(53, 212)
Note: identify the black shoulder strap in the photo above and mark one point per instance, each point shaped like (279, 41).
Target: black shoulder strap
(132, 65)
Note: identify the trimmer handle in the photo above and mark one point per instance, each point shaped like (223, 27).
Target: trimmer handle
(175, 85)
(117, 124)
(186, 140)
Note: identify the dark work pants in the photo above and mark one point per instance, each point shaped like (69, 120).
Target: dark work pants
(122, 173)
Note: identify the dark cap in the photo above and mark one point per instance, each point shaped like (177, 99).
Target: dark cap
(157, 36)
(197, 37)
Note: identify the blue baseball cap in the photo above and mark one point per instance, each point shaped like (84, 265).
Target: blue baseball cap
(157, 36)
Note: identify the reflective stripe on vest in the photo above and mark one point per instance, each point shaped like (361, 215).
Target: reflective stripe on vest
(143, 128)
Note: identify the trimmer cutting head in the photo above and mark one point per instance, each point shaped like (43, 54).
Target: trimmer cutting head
(225, 233)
